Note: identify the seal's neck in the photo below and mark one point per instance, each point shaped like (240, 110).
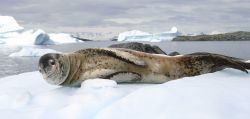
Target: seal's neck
(74, 69)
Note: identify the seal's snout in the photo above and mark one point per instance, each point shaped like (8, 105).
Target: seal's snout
(47, 61)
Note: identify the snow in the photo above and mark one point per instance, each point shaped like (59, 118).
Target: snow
(32, 52)
(1, 42)
(136, 35)
(213, 96)
(13, 34)
(220, 95)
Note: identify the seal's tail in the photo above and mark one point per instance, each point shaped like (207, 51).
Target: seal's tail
(219, 62)
(245, 65)
(240, 65)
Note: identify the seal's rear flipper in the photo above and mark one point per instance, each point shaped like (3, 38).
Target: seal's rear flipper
(245, 66)
(235, 62)
(238, 65)
(201, 63)
(213, 54)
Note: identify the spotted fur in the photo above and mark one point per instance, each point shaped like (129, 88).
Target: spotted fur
(117, 64)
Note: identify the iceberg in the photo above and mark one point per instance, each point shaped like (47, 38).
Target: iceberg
(59, 38)
(13, 34)
(22, 38)
(9, 24)
(32, 52)
(124, 35)
(220, 95)
(43, 39)
(136, 35)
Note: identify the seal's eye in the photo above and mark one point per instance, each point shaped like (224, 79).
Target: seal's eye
(52, 62)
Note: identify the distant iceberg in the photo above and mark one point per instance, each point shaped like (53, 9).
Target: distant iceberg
(136, 35)
(11, 33)
(59, 38)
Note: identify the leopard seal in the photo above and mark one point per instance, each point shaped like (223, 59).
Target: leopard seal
(130, 66)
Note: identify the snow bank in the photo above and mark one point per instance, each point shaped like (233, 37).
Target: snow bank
(28, 96)
(220, 95)
(136, 35)
(13, 34)
(32, 52)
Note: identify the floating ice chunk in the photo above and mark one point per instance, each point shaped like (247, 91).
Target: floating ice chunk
(98, 83)
(59, 38)
(43, 39)
(32, 52)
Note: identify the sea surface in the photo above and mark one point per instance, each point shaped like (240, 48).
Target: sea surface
(17, 65)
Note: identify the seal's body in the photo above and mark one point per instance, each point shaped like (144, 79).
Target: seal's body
(129, 66)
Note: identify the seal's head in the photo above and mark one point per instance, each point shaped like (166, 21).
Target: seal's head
(54, 68)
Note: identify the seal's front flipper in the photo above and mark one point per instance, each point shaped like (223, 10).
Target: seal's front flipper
(124, 77)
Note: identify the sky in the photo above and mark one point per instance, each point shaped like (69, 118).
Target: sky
(189, 16)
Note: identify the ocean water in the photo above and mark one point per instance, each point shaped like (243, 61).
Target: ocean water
(16, 65)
